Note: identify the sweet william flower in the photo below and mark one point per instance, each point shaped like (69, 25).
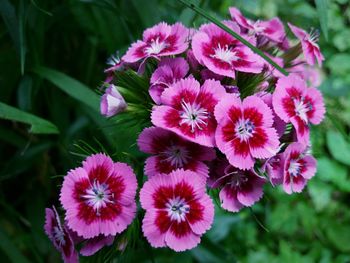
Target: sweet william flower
(272, 29)
(294, 102)
(239, 188)
(168, 72)
(178, 211)
(158, 41)
(171, 152)
(93, 245)
(309, 45)
(188, 110)
(112, 102)
(245, 130)
(60, 236)
(298, 168)
(99, 197)
(222, 53)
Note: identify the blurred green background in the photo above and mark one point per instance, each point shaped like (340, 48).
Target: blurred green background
(52, 56)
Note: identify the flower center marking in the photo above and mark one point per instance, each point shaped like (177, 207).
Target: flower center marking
(177, 209)
(193, 115)
(225, 54)
(155, 47)
(178, 156)
(294, 168)
(59, 236)
(301, 108)
(98, 195)
(244, 129)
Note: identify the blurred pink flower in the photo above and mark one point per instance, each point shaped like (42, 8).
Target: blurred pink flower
(99, 197)
(178, 211)
(60, 236)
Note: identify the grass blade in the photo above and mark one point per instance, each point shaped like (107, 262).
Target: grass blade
(71, 86)
(38, 125)
(322, 10)
(235, 35)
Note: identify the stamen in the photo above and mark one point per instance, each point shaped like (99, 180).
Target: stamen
(177, 156)
(155, 47)
(225, 54)
(244, 129)
(193, 115)
(177, 209)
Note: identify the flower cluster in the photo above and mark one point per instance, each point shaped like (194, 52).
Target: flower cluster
(221, 116)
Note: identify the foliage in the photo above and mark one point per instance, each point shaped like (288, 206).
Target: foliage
(52, 56)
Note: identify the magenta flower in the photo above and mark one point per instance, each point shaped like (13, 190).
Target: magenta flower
(222, 53)
(171, 152)
(294, 102)
(168, 72)
(112, 102)
(115, 64)
(274, 169)
(238, 188)
(272, 29)
(299, 167)
(99, 197)
(60, 236)
(188, 110)
(93, 245)
(158, 41)
(309, 45)
(178, 211)
(245, 130)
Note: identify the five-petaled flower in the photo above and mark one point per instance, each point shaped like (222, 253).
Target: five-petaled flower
(294, 102)
(99, 198)
(222, 53)
(245, 130)
(178, 211)
(172, 152)
(188, 110)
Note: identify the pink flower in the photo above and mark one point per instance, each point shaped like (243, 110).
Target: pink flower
(309, 45)
(112, 102)
(222, 53)
(245, 130)
(60, 236)
(93, 245)
(99, 197)
(188, 110)
(298, 168)
(115, 64)
(238, 188)
(171, 152)
(158, 41)
(312, 75)
(274, 169)
(178, 211)
(272, 29)
(168, 72)
(294, 102)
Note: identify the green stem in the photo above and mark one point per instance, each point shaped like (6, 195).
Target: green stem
(235, 35)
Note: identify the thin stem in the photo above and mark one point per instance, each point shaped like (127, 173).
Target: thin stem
(235, 35)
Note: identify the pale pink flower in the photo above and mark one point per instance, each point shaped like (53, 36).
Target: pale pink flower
(93, 245)
(112, 102)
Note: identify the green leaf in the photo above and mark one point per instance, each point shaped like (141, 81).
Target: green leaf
(11, 249)
(322, 10)
(320, 193)
(235, 35)
(339, 147)
(70, 86)
(38, 125)
(338, 234)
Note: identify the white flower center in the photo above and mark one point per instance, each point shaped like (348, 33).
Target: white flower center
(58, 235)
(193, 115)
(155, 47)
(244, 129)
(98, 195)
(301, 108)
(294, 168)
(178, 156)
(225, 54)
(177, 209)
